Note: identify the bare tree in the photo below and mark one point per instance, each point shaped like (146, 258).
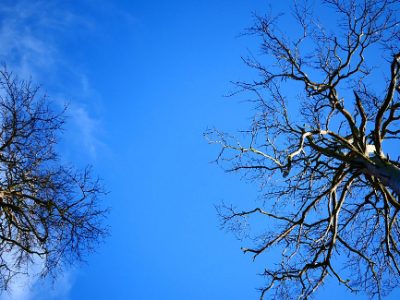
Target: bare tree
(48, 211)
(323, 140)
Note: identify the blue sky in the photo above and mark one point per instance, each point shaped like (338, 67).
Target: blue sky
(144, 80)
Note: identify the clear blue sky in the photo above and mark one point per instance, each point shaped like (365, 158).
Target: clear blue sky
(144, 80)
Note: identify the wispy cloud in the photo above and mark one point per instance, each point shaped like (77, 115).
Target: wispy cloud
(26, 287)
(33, 35)
(30, 32)
(88, 127)
(22, 50)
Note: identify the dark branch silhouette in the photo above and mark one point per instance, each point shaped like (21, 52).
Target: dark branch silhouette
(49, 212)
(331, 182)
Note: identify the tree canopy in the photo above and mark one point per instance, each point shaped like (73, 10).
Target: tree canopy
(323, 143)
(49, 212)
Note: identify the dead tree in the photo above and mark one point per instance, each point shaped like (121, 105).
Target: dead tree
(49, 212)
(323, 142)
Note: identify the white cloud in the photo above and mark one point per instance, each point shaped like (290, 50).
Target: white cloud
(31, 35)
(25, 46)
(28, 287)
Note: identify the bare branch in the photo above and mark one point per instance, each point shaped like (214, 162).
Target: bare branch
(330, 187)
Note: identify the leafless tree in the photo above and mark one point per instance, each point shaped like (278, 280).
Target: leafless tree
(48, 211)
(323, 143)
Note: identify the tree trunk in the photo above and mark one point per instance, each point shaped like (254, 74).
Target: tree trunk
(386, 172)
